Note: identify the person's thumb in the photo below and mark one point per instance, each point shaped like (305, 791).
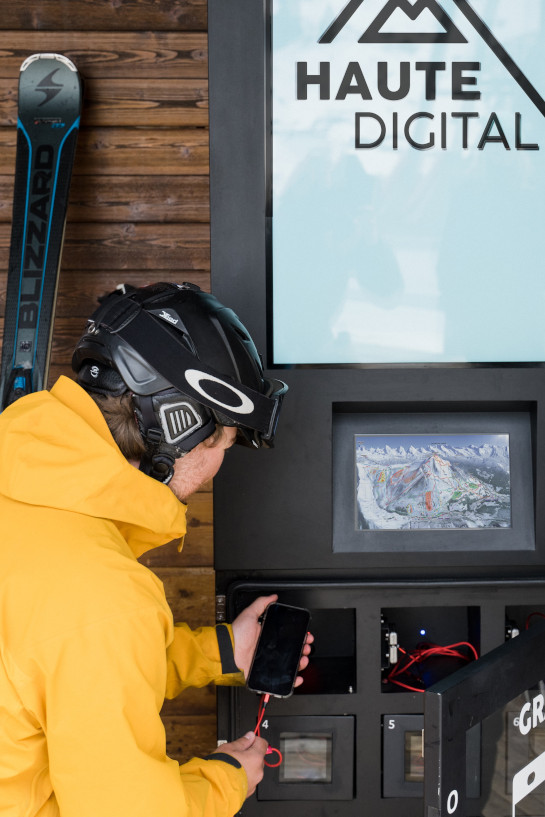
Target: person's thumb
(243, 743)
(260, 604)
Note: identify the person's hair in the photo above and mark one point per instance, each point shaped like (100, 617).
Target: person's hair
(121, 420)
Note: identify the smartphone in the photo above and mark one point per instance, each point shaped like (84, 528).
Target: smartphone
(278, 652)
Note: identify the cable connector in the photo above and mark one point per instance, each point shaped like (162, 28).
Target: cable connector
(389, 644)
(392, 643)
(270, 749)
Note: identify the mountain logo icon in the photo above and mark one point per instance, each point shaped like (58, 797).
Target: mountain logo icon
(407, 16)
(412, 14)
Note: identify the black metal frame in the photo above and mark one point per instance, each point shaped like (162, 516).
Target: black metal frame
(465, 699)
(368, 703)
(273, 510)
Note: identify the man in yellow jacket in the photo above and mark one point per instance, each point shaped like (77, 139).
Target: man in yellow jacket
(93, 474)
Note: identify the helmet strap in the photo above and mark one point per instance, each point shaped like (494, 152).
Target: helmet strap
(157, 462)
(158, 459)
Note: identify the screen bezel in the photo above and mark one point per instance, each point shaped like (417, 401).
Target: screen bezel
(347, 538)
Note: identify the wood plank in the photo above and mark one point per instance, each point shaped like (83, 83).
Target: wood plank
(136, 246)
(198, 546)
(157, 102)
(113, 53)
(130, 103)
(198, 550)
(128, 246)
(123, 151)
(58, 369)
(190, 592)
(141, 151)
(108, 15)
(167, 199)
(190, 736)
(201, 701)
(6, 196)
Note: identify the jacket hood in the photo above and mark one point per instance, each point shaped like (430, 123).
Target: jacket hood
(58, 452)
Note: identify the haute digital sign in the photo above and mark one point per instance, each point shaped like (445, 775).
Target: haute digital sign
(406, 179)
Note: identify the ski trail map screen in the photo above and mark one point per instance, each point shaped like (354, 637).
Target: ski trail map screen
(423, 481)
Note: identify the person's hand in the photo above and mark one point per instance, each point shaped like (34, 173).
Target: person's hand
(249, 750)
(246, 630)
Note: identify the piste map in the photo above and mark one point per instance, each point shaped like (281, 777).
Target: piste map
(432, 485)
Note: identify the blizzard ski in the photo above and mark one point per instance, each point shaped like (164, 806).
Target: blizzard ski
(49, 107)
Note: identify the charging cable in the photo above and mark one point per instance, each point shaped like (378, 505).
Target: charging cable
(271, 750)
(407, 670)
(528, 619)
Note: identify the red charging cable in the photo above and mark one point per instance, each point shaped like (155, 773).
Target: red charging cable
(422, 653)
(528, 619)
(260, 714)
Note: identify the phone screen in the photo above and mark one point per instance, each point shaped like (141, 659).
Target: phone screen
(276, 659)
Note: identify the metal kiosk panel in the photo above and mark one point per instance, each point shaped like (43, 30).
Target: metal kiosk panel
(503, 693)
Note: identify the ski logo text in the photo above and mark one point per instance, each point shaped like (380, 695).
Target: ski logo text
(36, 232)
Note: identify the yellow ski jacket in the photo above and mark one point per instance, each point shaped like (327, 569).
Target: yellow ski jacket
(88, 648)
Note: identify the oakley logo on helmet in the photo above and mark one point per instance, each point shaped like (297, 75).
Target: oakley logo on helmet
(178, 420)
(207, 386)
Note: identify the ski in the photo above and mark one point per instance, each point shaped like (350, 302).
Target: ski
(49, 108)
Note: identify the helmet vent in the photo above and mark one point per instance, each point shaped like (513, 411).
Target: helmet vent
(178, 420)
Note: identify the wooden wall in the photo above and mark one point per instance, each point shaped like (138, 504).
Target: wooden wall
(138, 213)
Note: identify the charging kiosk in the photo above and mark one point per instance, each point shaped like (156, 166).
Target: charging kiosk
(373, 223)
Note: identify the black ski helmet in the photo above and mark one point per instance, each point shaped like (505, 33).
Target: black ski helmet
(189, 364)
